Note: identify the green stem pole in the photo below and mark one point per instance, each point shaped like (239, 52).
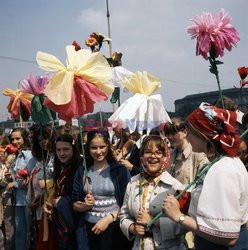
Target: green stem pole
(83, 152)
(218, 83)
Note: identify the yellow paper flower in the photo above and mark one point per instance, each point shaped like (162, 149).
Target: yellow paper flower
(16, 94)
(92, 67)
(142, 83)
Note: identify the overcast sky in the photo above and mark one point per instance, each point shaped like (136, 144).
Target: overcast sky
(151, 34)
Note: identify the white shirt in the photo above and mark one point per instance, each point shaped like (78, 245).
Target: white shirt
(220, 206)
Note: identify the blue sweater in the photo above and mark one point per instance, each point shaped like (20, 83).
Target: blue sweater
(119, 175)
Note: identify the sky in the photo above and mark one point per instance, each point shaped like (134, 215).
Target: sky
(151, 35)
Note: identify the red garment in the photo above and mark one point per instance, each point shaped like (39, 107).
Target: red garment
(52, 243)
(217, 124)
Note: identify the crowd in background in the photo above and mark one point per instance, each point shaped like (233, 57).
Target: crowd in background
(54, 198)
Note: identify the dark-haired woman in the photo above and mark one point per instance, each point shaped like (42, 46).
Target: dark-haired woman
(66, 161)
(219, 208)
(20, 170)
(184, 162)
(42, 151)
(102, 197)
(144, 195)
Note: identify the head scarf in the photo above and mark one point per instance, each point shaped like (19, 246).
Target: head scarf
(166, 158)
(217, 124)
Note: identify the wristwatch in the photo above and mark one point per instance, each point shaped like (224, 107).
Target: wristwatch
(114, 218)
(181, 218)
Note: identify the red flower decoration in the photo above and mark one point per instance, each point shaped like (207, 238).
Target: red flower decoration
(76, 45)
(11, 149)
(22, 174)
(243, 72)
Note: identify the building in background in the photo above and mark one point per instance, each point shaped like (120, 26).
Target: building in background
(184, 106)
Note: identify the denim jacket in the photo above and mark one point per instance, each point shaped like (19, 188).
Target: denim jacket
(23, 160)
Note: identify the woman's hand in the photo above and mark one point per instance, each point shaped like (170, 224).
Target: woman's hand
(55, 201)
(171, 207)
(127, 164)
(137, 229)
(25, 183)
(89, 200)
(102, 225)
(35, 203)
(48, 209)
(10, 185)
(143, 217)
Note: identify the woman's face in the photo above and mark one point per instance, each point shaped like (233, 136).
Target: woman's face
(43, 142)
(17, 140)
(153, 158)
(177, 139)
(98, 149)
(64, 151)
(199, 144)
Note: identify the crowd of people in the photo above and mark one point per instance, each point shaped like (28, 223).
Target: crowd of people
(60, 190)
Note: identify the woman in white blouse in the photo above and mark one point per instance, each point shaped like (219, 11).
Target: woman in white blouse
(143, 200)
(219, 207)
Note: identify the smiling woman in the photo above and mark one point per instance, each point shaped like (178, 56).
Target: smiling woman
(108, 180)
(143, 200)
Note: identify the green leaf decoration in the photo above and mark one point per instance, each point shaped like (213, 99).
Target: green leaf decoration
(116, 95)
(40, 113)
(219, 62)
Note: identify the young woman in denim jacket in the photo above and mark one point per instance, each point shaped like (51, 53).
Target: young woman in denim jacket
(20, 170)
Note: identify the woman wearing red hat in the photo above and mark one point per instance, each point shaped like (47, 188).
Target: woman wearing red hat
(219, 208)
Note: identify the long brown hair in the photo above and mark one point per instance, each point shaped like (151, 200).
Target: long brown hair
(105, 136)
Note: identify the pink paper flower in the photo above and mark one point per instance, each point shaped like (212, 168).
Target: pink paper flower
(34, 85)
(213, 33)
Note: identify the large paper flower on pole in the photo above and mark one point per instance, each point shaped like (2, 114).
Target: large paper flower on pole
(214, 34)
(143, 110)
(75, 88)
(35, 85)
(19, 105)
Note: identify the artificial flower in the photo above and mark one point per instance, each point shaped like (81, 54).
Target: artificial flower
(148, 111)
(95, 41)
(243, 72)
(91, 42)
(34, 85)
(75, 88)
(22, 174)
(213, 33)
(142, 83)
(76, 45)
(19, 105)
(11, 149)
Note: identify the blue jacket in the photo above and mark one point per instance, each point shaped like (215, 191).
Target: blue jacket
(23, 160)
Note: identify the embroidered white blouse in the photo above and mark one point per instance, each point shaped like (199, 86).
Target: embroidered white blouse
(220, 206)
